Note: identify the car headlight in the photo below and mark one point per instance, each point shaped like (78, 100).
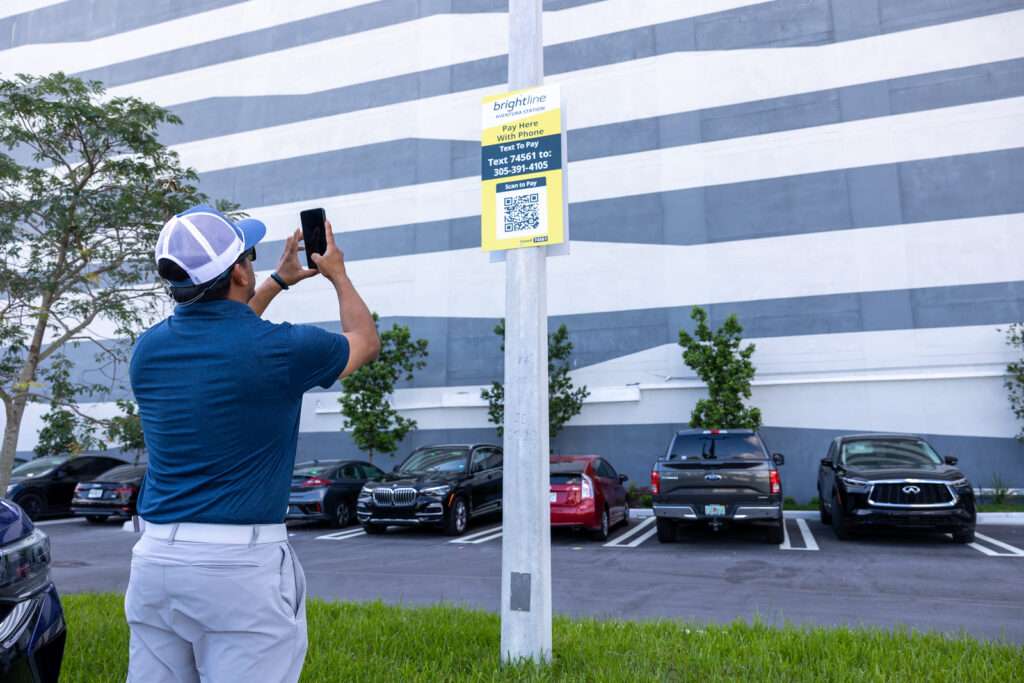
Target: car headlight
(24, 565)
(365, 493)
(960, 483)
(854, 485)
(436, 491)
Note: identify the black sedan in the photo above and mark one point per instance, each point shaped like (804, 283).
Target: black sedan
(112, 494)
(440, 486)
(871, 480)
(45, 486)
(326, 490)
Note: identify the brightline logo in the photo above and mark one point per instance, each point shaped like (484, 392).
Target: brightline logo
(518, 102)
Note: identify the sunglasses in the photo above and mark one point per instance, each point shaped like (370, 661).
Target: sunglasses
(249, 255)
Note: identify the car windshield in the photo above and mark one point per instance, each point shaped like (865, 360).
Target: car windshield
(889, 453)
(313, 469)
(730, 447)
(122, 472)
(37, 467)
(436, 460)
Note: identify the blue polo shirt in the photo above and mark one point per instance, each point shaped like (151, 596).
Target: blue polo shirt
(219, 392)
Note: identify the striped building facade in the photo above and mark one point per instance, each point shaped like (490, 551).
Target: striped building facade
(847, 176)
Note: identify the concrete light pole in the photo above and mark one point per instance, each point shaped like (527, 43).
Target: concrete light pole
(526, 538)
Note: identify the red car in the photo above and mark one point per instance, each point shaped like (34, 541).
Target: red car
(587, 493)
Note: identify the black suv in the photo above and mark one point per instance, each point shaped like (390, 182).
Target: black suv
(717, 477)
(893, 480)
(442, 486)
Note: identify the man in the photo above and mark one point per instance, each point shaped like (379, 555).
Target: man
(216, 593)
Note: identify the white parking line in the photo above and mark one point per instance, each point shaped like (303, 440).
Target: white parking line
(1014, 551)
(341, 535)
(641, 539)
(487, 534)
(805, 532)
(617, 541)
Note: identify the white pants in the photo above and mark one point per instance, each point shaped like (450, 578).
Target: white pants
(215, 613)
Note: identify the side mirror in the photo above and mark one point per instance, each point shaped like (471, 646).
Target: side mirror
(950, 460)
(778, 459)
(826, 462)
(623, 478)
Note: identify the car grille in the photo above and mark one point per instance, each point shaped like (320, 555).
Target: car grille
(895, 494)
(394, 497)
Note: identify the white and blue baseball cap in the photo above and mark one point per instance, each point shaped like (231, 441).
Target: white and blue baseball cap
(205, 243)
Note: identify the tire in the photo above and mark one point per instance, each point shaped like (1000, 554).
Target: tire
(823, 514)
(666, 530)
(601, 533)
(97, 519)
(840, 526)
(964, 535)
(777, 533)
(457, 521)
(33, 505)
(342, 515)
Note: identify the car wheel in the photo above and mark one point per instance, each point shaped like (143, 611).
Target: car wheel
(839, 524)
(96, 519)
(777, 533)
(666, 530)
(601, 533)
(823, 514)
(458, 518)
(342, 515)
(32, 504)
(964, 536)
(373, 529)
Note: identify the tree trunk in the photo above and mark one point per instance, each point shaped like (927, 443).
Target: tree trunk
(15, 410)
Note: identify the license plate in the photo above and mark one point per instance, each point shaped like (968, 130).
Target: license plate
(714, 510)
(98, 493)
(554, 497)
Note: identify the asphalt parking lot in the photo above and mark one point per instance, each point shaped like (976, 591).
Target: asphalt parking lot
(887, 579)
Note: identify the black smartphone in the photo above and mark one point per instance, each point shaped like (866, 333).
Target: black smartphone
(314, 233)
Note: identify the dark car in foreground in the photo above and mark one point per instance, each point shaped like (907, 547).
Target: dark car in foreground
(32, 629)
(111, 494)
(587, 493)
(872, 480)
(45, 486)
(326, 490)
(439, 486)
(717, 478)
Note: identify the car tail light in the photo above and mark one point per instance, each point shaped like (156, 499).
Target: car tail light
(315, 482)
(655, 482)
(588, 487)
(773, 477)
(79, 488)
(124, 492)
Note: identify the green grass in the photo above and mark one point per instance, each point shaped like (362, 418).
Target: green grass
(375, 642)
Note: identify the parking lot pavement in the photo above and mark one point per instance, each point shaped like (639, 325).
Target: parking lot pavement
(886, 579)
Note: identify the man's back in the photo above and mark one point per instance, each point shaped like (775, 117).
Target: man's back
(219, 393)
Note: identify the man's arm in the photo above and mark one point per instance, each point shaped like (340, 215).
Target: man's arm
(356, 320)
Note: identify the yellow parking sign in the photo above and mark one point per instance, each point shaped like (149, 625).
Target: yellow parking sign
(522, 155)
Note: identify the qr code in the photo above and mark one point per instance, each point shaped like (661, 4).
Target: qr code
(522, 212)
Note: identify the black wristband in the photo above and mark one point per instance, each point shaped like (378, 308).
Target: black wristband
(277, 278)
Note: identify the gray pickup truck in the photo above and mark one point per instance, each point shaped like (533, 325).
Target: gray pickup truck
(717, 477)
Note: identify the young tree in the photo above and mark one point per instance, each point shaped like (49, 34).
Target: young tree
(726, 369)
(77, 229)
(564, 400)
(375, 424)
(1015, 382)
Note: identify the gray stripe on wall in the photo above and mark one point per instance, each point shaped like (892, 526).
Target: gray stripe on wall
(632, 449)
(209, 118)
(465, 351)
(966, 186)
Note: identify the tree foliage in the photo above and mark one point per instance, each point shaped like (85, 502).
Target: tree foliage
(565, 401)
(720, 362)
(365, 402)
(85, 186)
(126, 429)
(1015, 371)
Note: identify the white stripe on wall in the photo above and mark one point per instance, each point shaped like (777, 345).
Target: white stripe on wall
(966, 129)
(737, 75)
(11, 7)
(427, 43)
(601, 277)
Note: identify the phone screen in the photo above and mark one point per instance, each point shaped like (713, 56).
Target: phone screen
(314, 233)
